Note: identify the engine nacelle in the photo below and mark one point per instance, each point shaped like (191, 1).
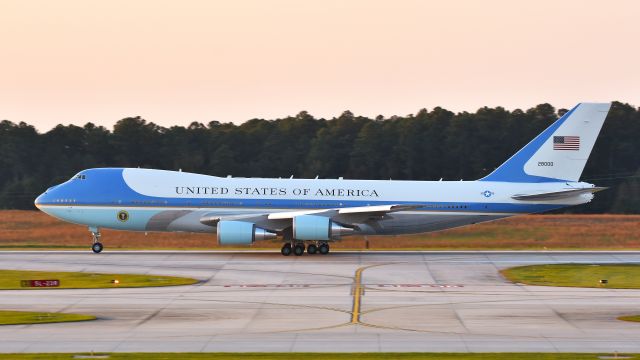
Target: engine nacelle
(241, 233)
(312, 227)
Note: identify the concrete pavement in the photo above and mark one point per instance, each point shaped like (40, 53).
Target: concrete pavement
(346, 301)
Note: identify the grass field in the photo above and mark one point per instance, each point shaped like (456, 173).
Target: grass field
(36, 230)
(11, 279)
(633, 318)
(618, 276)
(317, 356)
(27, 317)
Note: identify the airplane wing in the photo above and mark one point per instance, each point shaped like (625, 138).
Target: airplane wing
(556, 195)
(276, 220)
(372, 210)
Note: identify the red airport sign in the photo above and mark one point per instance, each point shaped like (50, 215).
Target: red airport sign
(40, 283)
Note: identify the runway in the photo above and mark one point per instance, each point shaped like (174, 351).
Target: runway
(345, 301)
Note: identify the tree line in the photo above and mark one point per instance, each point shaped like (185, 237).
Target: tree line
(428, 145)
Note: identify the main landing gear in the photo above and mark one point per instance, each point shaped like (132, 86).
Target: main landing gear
(97, 245)
(324, 248)
(297, 248)
(286, 249)
(312, 249)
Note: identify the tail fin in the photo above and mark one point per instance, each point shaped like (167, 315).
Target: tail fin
(560, 152)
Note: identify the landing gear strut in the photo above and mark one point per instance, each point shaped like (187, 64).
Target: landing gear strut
(97, 245)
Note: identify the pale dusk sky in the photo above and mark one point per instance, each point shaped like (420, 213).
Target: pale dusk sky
(174, 62)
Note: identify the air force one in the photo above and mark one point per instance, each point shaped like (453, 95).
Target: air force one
(308, 214)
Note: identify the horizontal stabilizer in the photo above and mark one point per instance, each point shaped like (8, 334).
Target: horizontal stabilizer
(556, 195)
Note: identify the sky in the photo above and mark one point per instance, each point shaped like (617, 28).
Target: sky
(175, 62)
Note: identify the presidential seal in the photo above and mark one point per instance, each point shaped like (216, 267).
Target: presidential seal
(123, 216)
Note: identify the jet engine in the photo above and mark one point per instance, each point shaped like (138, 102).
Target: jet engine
(241, 233)
(313, 227)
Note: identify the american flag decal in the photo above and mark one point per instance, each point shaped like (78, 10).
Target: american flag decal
(566, 143)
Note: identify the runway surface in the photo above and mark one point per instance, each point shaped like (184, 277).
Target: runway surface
(346, 301)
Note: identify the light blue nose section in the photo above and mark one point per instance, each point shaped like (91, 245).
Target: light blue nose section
(38, 200)
(114, 218)
(44, 198)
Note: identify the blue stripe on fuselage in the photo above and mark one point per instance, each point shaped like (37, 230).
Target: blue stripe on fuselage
(106, 187)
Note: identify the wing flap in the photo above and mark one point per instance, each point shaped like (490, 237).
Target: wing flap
(376, 209)
(292, 214)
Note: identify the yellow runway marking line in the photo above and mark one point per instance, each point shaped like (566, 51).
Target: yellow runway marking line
(358, 291)
(357, 295)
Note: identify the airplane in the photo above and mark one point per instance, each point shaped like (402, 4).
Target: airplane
(309, 214)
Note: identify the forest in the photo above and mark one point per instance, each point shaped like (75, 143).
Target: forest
(428, 145)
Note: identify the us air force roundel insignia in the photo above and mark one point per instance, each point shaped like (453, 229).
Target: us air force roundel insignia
(487, 193)
(123, 215)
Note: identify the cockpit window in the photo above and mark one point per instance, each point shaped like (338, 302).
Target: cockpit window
(79, 177)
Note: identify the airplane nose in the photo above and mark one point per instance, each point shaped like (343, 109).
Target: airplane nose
(38, 200)
(44, 197)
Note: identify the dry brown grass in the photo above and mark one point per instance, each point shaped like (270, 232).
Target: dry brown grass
(33, 229)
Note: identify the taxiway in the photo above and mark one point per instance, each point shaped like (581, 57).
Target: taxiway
(345, 301)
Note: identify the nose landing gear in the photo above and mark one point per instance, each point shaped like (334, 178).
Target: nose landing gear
(97, 245)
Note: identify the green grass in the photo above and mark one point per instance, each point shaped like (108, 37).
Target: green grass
(314, 356)
(619, 276)
(11, 280)
(634, 318)
(27, 317)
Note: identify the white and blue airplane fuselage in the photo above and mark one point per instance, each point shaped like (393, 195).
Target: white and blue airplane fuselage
(309, 213)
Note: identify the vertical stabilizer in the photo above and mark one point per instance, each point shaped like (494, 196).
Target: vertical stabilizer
(560, 152)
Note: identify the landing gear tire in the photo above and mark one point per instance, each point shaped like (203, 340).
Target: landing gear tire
(323, 249)
(286, 249)
(312, 249)
(95, 235)
(97, 247)
(298, 250)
